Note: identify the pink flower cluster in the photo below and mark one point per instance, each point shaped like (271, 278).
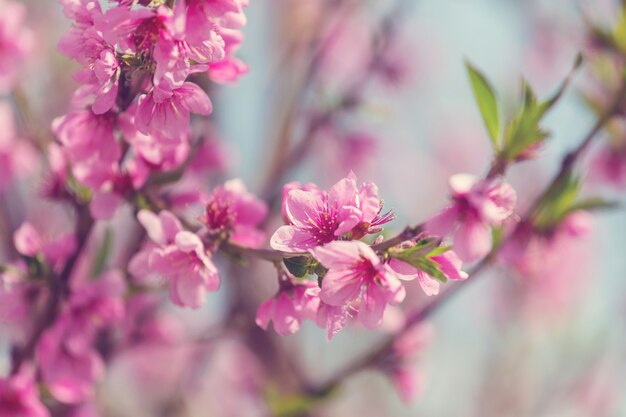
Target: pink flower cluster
(315, 217)
(181, 257)
(131, 115)
(356, 283)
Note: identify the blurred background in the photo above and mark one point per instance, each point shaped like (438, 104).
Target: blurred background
(548, 345)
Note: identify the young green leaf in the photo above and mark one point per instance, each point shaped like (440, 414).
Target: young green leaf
(487, 103)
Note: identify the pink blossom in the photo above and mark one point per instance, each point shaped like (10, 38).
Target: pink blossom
(69, 365)
(233, 210)
(448, 263)
(356, 274)
(181, 258)
(334, 318)
(15, 42)
(155, 151)
(29, 242)
(477, 206)
(317, 217)
(188, 34)
(166, 109)
(19, 396)
(90, 145)
(294, 303)
(107, 71)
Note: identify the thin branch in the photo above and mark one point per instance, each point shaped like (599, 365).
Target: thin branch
(436, 304)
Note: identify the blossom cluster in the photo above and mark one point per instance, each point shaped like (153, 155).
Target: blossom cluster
(142, 63)
(72, 305)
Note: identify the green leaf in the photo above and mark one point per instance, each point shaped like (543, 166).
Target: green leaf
(524, 131)
(594, 203)
(297, 265)
(487, 103)
(557, 202)
(420, 256)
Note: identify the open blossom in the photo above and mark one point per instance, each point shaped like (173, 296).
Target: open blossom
(448, 263)
(29, 242)
(477, 206)
(356, 275)
(294, 303)
(180, 257)
(19, 396)
(317, 217)
(231, 209)
(167, 109)
(89, 143)
(15, 42)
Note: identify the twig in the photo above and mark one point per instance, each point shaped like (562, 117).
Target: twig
(420, 315)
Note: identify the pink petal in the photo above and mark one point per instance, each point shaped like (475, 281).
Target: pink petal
(194, 99)
(443, 222)
(264, 314)
(472, 240)
(27, 240)
(340, 287)
(428, 284)
(289, 239)
(339, 254)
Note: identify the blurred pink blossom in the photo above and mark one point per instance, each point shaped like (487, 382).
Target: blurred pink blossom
(477, 205)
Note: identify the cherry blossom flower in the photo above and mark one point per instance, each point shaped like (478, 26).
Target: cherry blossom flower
(29, 242)
(167, 108)
(317, 217)
(477, 206)
(19, 396)
(180, 257)
(90, 145)
(294, 303)
(355, 273)
(231, 209)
